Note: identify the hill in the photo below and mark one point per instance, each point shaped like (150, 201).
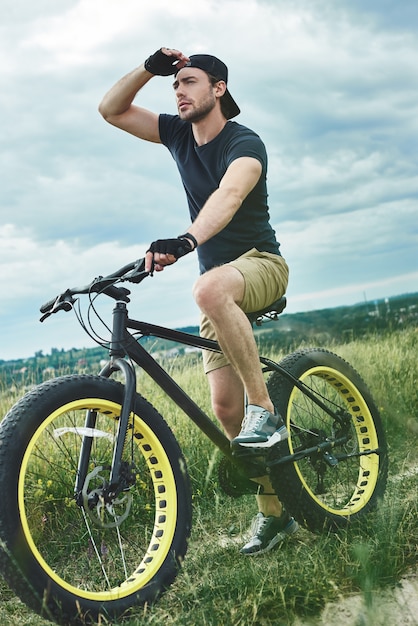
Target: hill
(320, 327)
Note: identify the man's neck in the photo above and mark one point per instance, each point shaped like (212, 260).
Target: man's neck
(208, 128)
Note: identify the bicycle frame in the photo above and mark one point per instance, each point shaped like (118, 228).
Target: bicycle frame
(123, 344)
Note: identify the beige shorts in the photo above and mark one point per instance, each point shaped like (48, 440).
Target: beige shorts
(266, 276)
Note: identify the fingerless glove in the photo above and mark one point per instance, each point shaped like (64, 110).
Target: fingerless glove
(176, 247)
(160, 64)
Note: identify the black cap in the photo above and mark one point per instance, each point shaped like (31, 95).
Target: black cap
(215, 67)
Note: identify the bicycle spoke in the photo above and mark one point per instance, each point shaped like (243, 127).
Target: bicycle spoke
(93, 543)
(339, 465)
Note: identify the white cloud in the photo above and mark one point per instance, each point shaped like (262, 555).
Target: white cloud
(74, 38)
(330, 87)
(37, 273)
(34, 268)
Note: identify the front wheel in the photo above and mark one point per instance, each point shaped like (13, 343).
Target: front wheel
(74, 557)
(331, 485)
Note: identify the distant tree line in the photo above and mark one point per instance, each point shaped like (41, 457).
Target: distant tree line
(320, 327)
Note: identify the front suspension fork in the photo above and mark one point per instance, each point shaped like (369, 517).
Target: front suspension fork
(114, 365)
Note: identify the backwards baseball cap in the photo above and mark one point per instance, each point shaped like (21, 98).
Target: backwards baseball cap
(216, 68)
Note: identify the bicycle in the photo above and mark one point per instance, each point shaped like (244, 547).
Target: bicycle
(92, 474)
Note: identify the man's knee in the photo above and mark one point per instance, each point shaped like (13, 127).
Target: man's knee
(217, 287)
(205, 291)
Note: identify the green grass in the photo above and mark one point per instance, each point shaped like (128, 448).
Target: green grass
(218, 586)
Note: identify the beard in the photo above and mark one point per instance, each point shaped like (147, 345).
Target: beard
(199, 112)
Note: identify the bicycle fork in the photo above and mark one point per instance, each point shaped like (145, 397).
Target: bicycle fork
(116, 363)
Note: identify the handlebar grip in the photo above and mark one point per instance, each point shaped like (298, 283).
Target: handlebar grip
(53, 306)
(45, 308)
(133, 272)
(63, 302)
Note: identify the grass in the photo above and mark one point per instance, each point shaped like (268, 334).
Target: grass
(218, 586)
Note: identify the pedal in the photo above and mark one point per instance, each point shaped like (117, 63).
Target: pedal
(251, 459)
(239, 452)
(330, 459)
(233, 482)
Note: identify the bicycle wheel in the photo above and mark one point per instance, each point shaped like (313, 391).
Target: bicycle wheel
(75, 562)
(329, 487)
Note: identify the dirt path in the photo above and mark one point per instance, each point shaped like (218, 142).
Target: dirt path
(394, 607)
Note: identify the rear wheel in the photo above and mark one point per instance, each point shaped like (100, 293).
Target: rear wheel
(74, 558)
(328, 487)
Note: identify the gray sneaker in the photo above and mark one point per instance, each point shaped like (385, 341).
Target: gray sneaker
(267, 532)
(260, 429)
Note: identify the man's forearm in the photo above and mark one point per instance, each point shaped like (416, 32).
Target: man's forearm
(120, 97)
(239, 179)
(218, 211)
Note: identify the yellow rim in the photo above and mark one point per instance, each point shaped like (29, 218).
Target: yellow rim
(366, 438)
(165, 502)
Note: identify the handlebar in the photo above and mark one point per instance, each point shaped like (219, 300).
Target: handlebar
(132, 272)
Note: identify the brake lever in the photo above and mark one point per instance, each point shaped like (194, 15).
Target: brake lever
(64, 302)
(138, 273)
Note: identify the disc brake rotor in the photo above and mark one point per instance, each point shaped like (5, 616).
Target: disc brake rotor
(102, 512)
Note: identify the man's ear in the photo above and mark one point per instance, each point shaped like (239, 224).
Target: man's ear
(220, 88)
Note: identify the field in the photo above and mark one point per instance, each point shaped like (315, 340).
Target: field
(362, 565)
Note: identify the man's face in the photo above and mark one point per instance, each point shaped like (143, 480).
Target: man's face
(195, 95)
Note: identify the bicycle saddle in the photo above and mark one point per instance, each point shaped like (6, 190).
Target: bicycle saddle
(271, 311)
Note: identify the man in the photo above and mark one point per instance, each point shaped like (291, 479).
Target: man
(223, 169)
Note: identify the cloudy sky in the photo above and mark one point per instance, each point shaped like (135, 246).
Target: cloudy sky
(330, 85)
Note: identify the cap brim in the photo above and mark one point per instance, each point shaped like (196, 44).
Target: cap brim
(230, 106)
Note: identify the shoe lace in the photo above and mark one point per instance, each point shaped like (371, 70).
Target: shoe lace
(258, 524)
(252, 420)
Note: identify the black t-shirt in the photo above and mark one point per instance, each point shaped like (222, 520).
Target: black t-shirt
(202, 168)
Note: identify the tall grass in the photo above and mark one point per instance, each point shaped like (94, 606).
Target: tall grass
(389, 365)
(218, 586)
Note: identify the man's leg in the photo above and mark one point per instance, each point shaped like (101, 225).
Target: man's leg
(218, 294)
(228, 398)
(227, 394)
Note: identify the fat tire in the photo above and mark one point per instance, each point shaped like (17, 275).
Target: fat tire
(294, 482)
(22, 569)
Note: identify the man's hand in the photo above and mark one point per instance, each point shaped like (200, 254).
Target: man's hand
(165, 62)
(167, 251)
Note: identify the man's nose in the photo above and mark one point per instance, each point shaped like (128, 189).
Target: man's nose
(179, 92)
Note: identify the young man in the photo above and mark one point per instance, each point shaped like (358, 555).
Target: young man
(223, 168)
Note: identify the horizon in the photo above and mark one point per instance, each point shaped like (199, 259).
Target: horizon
(382, 299)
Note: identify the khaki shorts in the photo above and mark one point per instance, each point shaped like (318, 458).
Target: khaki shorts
(266, 277)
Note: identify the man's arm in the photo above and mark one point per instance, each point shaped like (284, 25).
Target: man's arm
(238, 181)
(117, 108)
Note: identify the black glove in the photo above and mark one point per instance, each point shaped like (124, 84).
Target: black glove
(160, 64)
(176, 247)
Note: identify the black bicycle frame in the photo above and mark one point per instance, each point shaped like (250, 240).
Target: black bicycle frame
(124, 344)
(178, 336)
